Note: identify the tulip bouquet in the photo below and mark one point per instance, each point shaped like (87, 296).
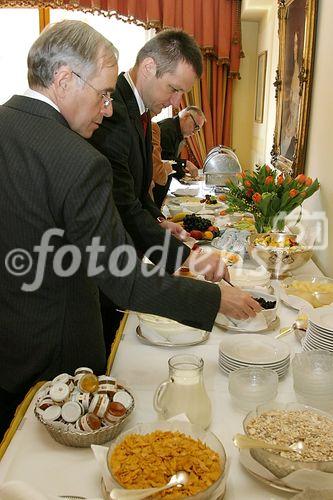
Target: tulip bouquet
(269, 195)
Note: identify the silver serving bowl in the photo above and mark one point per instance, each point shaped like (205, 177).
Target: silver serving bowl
(278, 260)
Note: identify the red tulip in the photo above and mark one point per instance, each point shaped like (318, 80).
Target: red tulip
(248, 193)
(248, 184)
(293, 193)
(308, 181)
(256, 197)
(268, 168)
(269, 180)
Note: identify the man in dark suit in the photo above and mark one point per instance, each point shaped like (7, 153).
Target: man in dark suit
(61, 234)
(166, 67)
(173, 139)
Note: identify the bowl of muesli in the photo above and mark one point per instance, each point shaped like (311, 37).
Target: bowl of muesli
(287, 424)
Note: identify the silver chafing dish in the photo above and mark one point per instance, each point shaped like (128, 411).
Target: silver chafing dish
(220, 165)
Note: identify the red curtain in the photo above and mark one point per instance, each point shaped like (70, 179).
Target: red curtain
(215, 24)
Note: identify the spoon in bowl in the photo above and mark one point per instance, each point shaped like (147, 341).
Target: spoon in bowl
(179, 479)
(243, 442)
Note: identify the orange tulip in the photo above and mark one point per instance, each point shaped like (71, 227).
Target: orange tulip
(301, 178)
(269, 180)
(257, 197)
(268, 169)
(293, 193)
(308, 181)
(248, 184)
(280, 180)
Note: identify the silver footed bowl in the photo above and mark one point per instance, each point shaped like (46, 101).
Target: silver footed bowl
(279, 260)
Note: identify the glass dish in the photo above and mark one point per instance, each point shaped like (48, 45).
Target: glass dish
(279, 465)
(249, 387)
(317, 290)
(216, 490)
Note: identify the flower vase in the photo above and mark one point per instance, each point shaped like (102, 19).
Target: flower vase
(266, 224)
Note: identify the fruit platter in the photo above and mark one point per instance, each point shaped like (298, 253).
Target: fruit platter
(200, 228)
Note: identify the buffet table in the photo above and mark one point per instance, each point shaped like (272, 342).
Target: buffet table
(34, 457)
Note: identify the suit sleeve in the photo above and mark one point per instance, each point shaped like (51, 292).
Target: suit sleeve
(114, 140)
(89, 212)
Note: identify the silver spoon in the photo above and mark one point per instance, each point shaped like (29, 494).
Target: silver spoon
(179, 479)
(243, 442)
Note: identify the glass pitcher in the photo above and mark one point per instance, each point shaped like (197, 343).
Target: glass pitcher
(184, 391)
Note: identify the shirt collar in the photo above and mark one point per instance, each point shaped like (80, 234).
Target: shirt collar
(141, 104)
(41, 97)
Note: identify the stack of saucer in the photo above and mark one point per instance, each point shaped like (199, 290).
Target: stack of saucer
(253, 350)
(319, 334)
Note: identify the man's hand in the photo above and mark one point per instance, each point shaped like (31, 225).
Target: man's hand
(191, 169)
(209, 264)
(176, 230)
(236, 303)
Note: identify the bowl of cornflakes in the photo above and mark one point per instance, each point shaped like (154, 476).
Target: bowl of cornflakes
(278, 252)
(317, 290)
(150, 453)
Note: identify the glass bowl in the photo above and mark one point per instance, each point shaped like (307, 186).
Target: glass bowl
(277, 462)
(313, 378)
(278, 260)
(249, 387)
(190, 430)
(317, 290)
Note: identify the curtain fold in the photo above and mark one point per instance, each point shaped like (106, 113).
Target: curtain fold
(216, 26)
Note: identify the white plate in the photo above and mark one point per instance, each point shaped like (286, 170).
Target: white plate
(322, 317)
(280, 364)
(224, 323)
(254, 348)
(175, 343)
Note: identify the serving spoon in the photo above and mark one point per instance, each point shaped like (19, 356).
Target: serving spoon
(299, 324)
(244, 442)
(179, 479)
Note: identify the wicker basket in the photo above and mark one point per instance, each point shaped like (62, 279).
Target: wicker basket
(85, 439)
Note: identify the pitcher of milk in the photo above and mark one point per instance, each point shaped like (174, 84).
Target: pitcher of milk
(184, 391)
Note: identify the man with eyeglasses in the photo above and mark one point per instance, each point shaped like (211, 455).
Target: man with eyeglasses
(173, 140)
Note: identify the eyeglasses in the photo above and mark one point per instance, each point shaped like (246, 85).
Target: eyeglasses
(106, 96)
(196, 126)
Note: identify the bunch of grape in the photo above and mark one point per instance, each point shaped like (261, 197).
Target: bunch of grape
(193, 221)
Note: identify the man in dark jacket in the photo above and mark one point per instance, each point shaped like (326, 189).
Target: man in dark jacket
(173, 140)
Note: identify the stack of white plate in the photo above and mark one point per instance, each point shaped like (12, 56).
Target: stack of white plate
(319, 334)
(253, 350)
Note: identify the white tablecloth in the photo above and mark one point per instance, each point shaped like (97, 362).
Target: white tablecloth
(34, 457)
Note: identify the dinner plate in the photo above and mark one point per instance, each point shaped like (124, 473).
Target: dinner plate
(238, 364)
(264, 329)
(167, 343)
(254, 348)
(322, 317)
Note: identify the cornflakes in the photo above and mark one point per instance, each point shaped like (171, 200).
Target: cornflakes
(145, 461)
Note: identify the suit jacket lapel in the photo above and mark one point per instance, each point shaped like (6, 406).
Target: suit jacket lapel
(134, 114)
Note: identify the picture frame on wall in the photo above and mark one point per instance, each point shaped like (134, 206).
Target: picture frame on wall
(260, 87)
(293, 83)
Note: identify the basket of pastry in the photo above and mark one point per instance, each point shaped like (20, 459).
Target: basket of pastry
(83, 409)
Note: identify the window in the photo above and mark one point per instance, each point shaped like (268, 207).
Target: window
(18, 30)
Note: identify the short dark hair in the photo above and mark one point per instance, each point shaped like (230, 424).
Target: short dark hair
(170, 47)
